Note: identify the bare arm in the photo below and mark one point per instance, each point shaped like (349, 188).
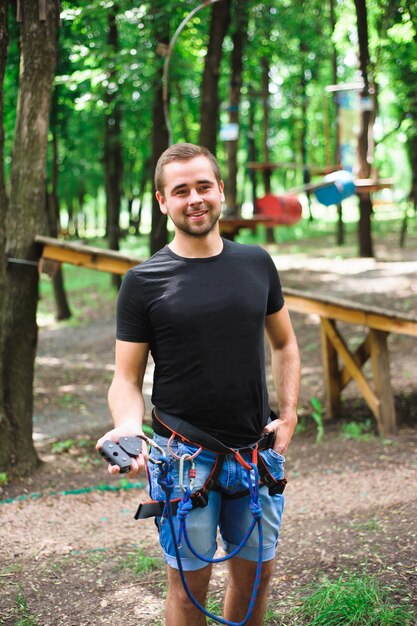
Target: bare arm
(125, 397)
(286, 376)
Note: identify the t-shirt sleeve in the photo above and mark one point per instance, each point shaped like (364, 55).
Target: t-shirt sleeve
(132, 316)
(275, 295)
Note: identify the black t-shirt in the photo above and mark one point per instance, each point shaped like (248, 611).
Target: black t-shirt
(204, 320)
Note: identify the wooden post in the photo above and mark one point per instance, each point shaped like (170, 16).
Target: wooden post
(331, 373)
(387, 423)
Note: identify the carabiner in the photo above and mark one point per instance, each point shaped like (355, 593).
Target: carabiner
(152, 444)
(176, 456)
(192, 473)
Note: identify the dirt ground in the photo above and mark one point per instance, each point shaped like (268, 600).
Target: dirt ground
(68, 543)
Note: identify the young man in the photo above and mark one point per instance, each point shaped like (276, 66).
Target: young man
(201, 306)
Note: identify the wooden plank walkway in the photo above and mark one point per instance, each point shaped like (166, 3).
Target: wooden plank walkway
(340, 364)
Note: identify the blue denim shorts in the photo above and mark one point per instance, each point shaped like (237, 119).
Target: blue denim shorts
(231, 516)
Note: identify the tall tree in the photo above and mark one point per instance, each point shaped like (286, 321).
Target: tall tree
(4, 40)
(113, 160)
(62, 309)
(239, 36)
(210, 103)
(160, 137)
(363, 162)
(26, 217)
(340, 233)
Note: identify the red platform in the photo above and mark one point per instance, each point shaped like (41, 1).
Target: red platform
(284, 210)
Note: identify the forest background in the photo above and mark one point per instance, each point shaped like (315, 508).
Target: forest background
(83, 120)
(83, 102)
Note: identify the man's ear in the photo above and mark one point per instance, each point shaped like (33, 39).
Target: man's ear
(221, 187)
(161, 202)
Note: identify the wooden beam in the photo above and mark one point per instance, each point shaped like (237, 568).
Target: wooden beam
(382, 381)
(231, 225)
(86, 256)
(331, 374)
(360, 356)
(355, 371)
(346, 311)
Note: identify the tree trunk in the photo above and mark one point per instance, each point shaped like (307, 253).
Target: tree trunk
(340, 229)
(209, 110)
(266, 173)
(62, 309)
(145, 178)
(5, 427)
(304, 126)
(363, 164)
(185, 131)
(113, 159)
(160, 135)
(26, 217)
(239, 37)
(412, 151)
(252, 153)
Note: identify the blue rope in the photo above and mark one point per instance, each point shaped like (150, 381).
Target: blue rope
(167, 484)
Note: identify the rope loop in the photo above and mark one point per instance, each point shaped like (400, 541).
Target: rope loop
(185, 506)
(165, 478)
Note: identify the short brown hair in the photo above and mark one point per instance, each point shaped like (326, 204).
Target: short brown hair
(183, 152)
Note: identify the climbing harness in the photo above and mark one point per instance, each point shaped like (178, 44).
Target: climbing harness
(167, 484)
(257, 475)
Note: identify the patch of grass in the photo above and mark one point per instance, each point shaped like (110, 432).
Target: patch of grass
(4, 478)
(59, 447)
(139, 563)
(352, 600)
(316, 414)
(371, 525)
(213, 605)
(97, 555)
(272, 618)
(25, 618)
(69, 401)
(359, 431)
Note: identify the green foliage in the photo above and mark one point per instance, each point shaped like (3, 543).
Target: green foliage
(371, 525)
(4, 478)
(147, 430)
(139, 563)
(214, 606)
(60, 447)
(353, 600)
(317, 415)
(297, 40)
(25, 618)
(359, 431)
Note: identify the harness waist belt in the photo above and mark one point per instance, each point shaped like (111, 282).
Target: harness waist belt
(192, 434)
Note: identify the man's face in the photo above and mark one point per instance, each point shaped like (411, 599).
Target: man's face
(192, 196)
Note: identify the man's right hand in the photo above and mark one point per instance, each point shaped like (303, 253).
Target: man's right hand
(139, 462)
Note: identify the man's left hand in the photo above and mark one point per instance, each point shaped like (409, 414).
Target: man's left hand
(284, 428)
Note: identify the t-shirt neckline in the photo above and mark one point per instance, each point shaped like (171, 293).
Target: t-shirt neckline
(206, 259)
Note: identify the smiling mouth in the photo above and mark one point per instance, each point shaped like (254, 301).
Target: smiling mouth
(196, 215)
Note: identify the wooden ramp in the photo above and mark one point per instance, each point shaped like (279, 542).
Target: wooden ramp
(340, 364)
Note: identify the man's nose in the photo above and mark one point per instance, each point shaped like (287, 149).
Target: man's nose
(194, 197)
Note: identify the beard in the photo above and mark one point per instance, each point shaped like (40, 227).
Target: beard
(198, 230)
